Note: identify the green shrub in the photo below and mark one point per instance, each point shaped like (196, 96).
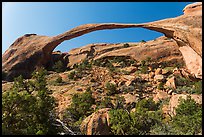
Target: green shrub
(119, 102)
(126, 45)
(143, 62)
(72, 75)
(147, 105)
(85, 65)
(111, 88)
(59, 80)
(143, 41)
(127, 89)
(188, 119)
(81, 105)
(181, 81)
(197, 87)
(119, 121)
(97, 62)
(28, 106)
(144, 69)
(106, 103)
(160, 86)
(182, 89)
(110, 66)
(59, 66)
(139, 122)
(149, 59)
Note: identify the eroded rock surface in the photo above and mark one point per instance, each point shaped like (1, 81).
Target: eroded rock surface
(97, 123)
(32, 51)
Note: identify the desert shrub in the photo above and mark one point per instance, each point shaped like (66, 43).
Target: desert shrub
(132, 61)
(197, 87)
(170, 69)
(125, 72)
(111, 88)
(139, 122)
(144, 69)
(182, 89)
(127, 89)
(126, 45)
(72, 75)
(147, 105)
(81, 105)
(58, 80)
(188, 119)
(96, 62)
(110, 66)
(148, 59)
(144, 121)
(160, 86)
(106, 103)
(119, 121)
(143, 41)
(59, 66)
(181, 81)
(119, 102)
(28, 108)
(85, 65)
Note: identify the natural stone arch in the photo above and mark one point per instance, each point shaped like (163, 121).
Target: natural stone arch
(31, 51)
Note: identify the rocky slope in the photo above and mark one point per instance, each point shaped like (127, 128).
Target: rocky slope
(32, 51)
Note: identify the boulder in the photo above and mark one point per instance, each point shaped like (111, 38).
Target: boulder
(151, 75)
(160, 96)
(130, 69)
(171, 83)
(158, 77)
(97, 123)
(158, 71)
(129, 98)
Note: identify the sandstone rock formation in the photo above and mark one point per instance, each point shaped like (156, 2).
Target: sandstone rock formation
(97, 123)
(32, 51)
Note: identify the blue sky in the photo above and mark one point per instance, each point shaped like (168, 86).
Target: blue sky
(53, 18)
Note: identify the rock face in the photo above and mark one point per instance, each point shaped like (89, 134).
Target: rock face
(32, 51)
(97, 123)
(195, 8)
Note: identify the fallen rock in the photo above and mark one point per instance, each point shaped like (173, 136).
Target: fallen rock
(160, 96)
(129, 79)
(151, 75)
(158, 77)
(144, 77)
(171, 83)
(129, 98)
(97, 123)
(158, 71)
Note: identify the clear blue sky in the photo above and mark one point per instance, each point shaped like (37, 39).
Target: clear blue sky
(53, 18)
